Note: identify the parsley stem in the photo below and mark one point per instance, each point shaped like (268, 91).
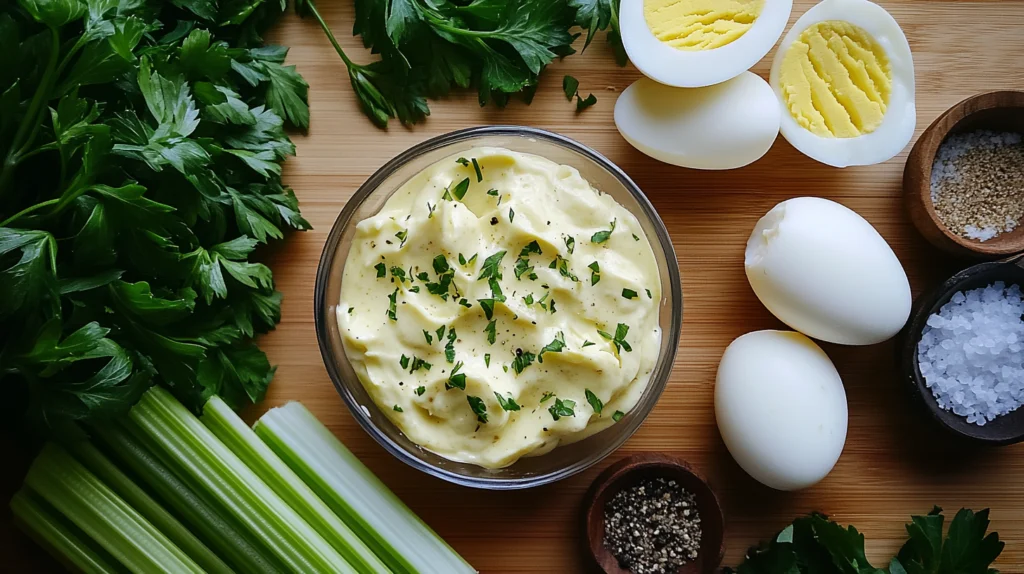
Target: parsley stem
(29, 210)
(311, 6)
(33, 118)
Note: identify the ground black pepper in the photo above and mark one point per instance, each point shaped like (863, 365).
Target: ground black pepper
(652, 527)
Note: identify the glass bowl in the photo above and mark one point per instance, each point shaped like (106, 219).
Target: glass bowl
(566, 460)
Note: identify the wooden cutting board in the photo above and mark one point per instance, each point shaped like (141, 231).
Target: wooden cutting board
(895, 463)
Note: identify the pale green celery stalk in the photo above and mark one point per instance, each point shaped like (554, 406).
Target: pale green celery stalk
(101, 514)
(62, 540)
(207, 464)
(233, 432)
(93, 459)
(405, 543)
(206, 520)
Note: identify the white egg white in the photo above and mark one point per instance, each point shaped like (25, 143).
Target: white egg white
(781, 408)
(822, 269)
(900, 118)
(725, 126)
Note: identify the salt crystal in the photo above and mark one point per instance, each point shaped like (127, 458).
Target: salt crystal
(970, 353)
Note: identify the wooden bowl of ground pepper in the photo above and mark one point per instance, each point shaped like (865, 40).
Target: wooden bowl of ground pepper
(653, 514)
(964, 180)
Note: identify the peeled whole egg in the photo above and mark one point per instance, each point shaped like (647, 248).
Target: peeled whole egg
(725, 126)
(781, 408)
(844, 76)
(825, 271)
(696, 43)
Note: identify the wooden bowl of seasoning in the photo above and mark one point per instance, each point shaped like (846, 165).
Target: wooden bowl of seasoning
(653, 508)
(1004, 429)
(964, 179)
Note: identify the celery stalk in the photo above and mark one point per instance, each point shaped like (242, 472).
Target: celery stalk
(206, 520)
(63, 541)
(93, 459)
(233, 432)
(405, 543)
(206, 463)
(93, 507)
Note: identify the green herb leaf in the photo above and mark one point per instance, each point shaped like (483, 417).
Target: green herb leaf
(562, 408)
(492, 192)
(449, 347)
(404, 361)
(462, 161)
(440, 332)
(420, 390)
(522, 360)
(511, 215)
(570, 86)
(487, 360)
(393, 305)
(570, 243)
(545, 397)
(628, 294)
(584, 103)
(595, 402)
(456, 380)
(417, 364)
(555, 346)
(508, 404)
(427, 336)
(649, 296)
(460, 189)
(617, 416)
(382, 270)
(602, 236)
(479, 173)
(491, 331)
(397, 409)
(595, 273)
(479, 408)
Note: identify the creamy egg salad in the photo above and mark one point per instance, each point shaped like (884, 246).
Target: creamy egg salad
(498, 306)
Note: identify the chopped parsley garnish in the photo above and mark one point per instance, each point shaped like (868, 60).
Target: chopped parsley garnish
(618, 416)
(523, 359)
(508, 404)
(463, 162)
(570, 86)
(487, 360)
(584, 103)
(479, 408)
(415, 289)
(430, 210)
(460, 189)
(602, 236)
(562, 265)
(447, 194)
(398, 409)
(382, 270)
(402, 235)
(491, 331)
(555, 346)
(594, 401)
(570, 244)
(426, 335)
(492, 266)
(417, 364)
(472, 259)
(588, 344)
(505, 368)
(420, 390)
(552, 306)
(462, 259)
(492, 192)
(350, 309)
(456, 380)
(398, 273)
(393, 305)
(445, 278)
(528, 299)
(595, 273)
(542, 300)
(404, 361)
(422, 276)
(562, 408)
(523, 267)
(635, 238)
(628, 294)
(531, 247)
(479, 173)
(511, 215)
(545, 397)
(649, 296)
(465, 303)
(449, 347)
(488, 306)
(496, 293)
(440, 332)
(621, 330)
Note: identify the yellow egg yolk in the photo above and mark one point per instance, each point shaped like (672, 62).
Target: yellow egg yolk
(836, 80)
(700, 24)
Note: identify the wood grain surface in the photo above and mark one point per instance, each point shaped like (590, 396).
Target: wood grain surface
(895, 462)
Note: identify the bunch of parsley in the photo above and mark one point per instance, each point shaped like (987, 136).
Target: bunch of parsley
(428, 47)
(141, 144)
(816, 545)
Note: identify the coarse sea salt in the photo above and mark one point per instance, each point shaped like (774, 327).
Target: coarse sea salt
(971, 353)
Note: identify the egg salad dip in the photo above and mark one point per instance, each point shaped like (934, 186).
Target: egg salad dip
(499, 306)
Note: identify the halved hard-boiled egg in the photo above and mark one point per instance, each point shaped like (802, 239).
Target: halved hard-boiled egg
(844, 76)
(696, 43)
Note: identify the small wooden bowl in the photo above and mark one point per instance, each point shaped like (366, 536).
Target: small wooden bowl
(631, 470)
(1004, 430)
(996, 111)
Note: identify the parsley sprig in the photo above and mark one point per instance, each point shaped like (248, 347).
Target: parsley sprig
(619, 338)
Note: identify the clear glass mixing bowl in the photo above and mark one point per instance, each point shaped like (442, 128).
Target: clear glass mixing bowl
(565, 460)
